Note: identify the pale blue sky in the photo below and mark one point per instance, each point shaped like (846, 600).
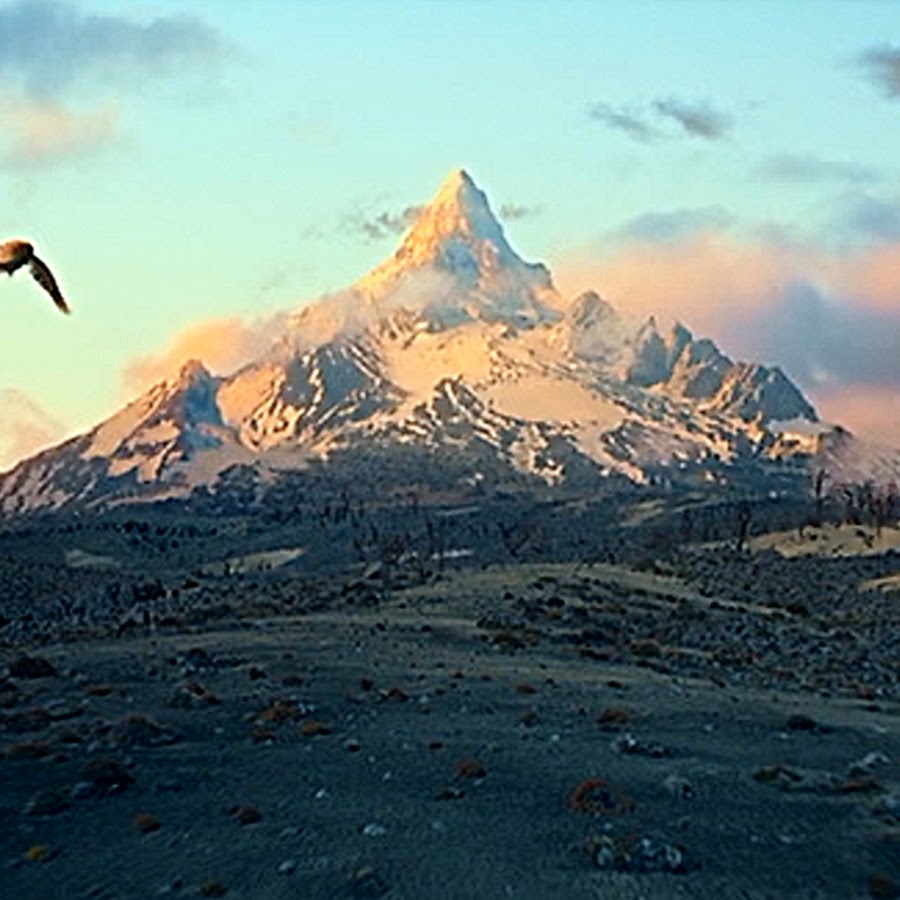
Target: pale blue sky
(181, 161)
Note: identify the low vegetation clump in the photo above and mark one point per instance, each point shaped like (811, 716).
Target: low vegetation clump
(596, 797)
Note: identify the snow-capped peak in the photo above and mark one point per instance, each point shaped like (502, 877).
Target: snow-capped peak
(456, 263)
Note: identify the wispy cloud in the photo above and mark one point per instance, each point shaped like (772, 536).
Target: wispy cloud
(383, 224)
(223, 345)
(46, 46)
(48, 49)
(882, 67)
(870, 217)
(41, 132)
(808, 169)
(514, 212)
(624, 119)
(25, 427)
(699, 120)
(674, 224)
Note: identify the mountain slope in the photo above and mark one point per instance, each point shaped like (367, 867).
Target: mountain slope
(454, 341)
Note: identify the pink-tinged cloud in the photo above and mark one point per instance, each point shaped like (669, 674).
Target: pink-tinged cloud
(831, 320)
(42, 132)
(871, 411)
(25, 427)
(700, 279)
(223, 345)
(871, 277)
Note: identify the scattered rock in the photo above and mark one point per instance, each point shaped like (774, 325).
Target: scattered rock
(637, 854)
(288, 867)
(280, 711)
(470, 768)
(137, 730)
(811, 781)
(887, 806)
(366, 883)
(193, 696)
(631, 745)
(314, 728)
(800, 722)
(39, 853)
(147, 823)
(47, 803)
(98, 690)
(867, 764)
(395, 695)
(245, 814)
(373, 829)
(26, 666)
(679, 787)
(194, 659)
(449, 793)
(104, 775)
(613, 718)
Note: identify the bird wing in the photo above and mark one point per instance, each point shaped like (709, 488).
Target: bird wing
(44, 277)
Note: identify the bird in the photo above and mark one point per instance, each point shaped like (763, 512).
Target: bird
(15, 254)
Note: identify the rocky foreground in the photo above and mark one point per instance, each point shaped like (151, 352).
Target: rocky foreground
(710, 725)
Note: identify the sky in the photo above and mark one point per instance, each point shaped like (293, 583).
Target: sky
(192, 170)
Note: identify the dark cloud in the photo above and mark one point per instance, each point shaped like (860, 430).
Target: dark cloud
(697, 119)
(621, 119)
(872, 218)
(670, 225)
(384, 224)
(882, 65)
(806, 169)
(822, 339)
(46, 46)
(513, 212)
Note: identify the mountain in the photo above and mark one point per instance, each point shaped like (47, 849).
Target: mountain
(453, 344)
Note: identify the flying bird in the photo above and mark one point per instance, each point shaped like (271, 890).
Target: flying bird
(15, 254)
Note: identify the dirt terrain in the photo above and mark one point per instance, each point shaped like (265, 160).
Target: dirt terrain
(486, 733)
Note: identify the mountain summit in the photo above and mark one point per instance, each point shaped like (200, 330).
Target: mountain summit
(453, 345)
(457, 264)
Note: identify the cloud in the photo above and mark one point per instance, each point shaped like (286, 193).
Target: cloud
(675, 224)
(871, 217)
(633, 124)
(808, 169)
(513, 212)
(872, 410)
(25, 428)
(47, 46)
(383, 224)
(223, 345)
(699, 120)
(830, 319)
(42, 132)
(882, 65)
